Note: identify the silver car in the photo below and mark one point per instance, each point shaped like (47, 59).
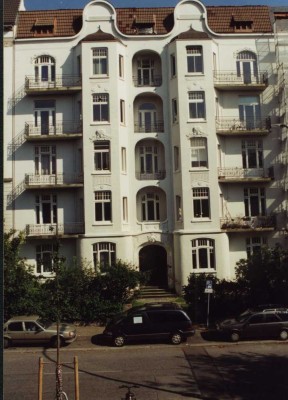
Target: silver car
(33, 329)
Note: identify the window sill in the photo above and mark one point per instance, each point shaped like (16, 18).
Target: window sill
(102, 223)
(99, 76)
(204, 219)
(193, 120)
(191, 74)
(193, 169)
(204, 270)
(101, 172)
(97, 123)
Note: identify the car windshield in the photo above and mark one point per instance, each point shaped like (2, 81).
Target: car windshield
(242, 317)
(45, 323)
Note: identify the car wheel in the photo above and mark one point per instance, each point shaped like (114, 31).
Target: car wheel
(53, 342)
(234, 337)
(283, 335)
(6, 343)
(176, 338)
(119, 341)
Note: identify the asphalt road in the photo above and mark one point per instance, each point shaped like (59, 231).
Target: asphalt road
(218, 371)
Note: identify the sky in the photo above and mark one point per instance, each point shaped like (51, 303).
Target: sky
(54, 4)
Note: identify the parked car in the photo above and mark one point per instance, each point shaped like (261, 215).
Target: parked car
(154, 321)
(264, 323)
(33, 330)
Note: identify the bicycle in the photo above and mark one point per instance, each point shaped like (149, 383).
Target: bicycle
(60, 395)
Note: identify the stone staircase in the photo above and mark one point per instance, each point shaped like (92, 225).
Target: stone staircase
(156, 294)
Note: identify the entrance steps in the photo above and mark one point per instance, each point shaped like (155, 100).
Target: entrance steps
(155, 293)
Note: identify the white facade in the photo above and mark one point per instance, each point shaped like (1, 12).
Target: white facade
(159, 150)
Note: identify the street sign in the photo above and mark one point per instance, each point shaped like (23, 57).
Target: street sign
(209, 284)
(208, 290)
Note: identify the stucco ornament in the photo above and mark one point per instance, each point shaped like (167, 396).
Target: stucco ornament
(151, 238)
(195, 132)
(99, 135)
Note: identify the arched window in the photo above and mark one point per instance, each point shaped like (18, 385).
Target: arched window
(203, 254)
(44, 69)
(104, 254)
(246, 65)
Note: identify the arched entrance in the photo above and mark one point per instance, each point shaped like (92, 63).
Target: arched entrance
(153, 260)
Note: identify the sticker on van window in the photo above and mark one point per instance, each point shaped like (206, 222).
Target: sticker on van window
(137, 320)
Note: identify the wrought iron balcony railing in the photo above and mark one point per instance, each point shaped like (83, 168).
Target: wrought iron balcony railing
(155, 81)
(60, 82)
(237, 125)
(60, 128)
(243, 223)
(157, 126)
(234, 77)
(57, 179)
(53, 229)
(245, 173)
(142, 176)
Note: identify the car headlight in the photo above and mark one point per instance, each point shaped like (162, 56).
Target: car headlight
(71, 334)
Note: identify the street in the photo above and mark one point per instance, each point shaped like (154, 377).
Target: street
(218, 371)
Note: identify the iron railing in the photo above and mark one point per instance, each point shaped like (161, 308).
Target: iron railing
(143, 176)
(60, 128)
(55, 229)
(157, 126)
(60, 81)
(236, 124)
(248, 222)
(56, 179)
(233, 77)
(155, 81)
(243, 173)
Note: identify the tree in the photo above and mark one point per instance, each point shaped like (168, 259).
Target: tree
(21, 287)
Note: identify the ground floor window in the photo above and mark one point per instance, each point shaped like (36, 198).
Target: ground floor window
(44, 258)
(203, 254)
(254, 245)
(104, 254)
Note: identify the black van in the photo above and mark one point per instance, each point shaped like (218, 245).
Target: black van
(152, 321)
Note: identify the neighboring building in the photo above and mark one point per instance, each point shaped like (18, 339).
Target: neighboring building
(150, 135)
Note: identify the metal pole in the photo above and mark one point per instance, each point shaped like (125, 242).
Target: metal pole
(208, 309)
(76, 375)
(40, 379)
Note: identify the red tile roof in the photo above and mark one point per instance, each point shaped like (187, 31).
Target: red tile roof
(69, 22)
(10, 8)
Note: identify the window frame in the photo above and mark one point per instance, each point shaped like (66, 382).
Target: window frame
(197, 105)
(254, 245)
(201, 203)
(200, 248)
(42, 250)
(103, 247)
(105, 155)
(193, 66)
(199, 152)
(101, 101)
(97, 60)
(103, 206)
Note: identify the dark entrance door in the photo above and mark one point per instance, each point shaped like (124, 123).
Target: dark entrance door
(153, 260)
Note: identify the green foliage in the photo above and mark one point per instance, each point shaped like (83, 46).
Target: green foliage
(21, 288)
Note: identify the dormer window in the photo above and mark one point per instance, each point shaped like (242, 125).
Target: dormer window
(44, 26)
(241, 23)
(145, 25)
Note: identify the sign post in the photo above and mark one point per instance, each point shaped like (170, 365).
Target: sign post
(208, 290)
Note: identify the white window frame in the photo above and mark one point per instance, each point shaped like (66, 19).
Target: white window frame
(194, 55)
(44, 63)
(152, 199)
(44, 259)
(103, 206)
(42, 218)
(122, 111)
(176, 159)
(45, 160)
(178, 202)
(197, 105)
(149, 153)
(252, 153)
(199, 152)
(206, 247)
(123, 160)
(125, 209)
(173, 65)
(121, 66)
(174, 111)
(100, 61)
(101, 101)
(254, 194)
(254, 244)
(201, 203)
(107, 248)
(102, 155)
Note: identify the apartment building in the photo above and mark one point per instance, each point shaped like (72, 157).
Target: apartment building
(150, 135)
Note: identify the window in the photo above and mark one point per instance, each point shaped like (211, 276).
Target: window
(104, 254)
(123, 159)
(102, 155)
(174, 111)
(199, 157)
(252, 153)
(103, 211)
(148, 159)
(254, 245)
(246, 66)
(15, 327)
(46, 209)
(196, 105)
(173, 65)
(148, 118)
(44, 258)
(150, 207)
(100, 61)
(125, 209)
(254, 201)
(121, 66)
(249, 112)
(44, 117)
(176, 158)
(203, 254)
(45, 160)
(179, 208)
(201, 203)
(145, 72)
(194, 59)
(122, 111)
(101, 107)
(44, 69)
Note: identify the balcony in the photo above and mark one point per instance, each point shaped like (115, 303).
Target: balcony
(61, 229)
(62, 84)
(153, 127)
(64, 130)
(233, 126)
(33, 181)
(231, 80)
(234, 174)
(244, 224)
(146, 176)
(148, 82)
